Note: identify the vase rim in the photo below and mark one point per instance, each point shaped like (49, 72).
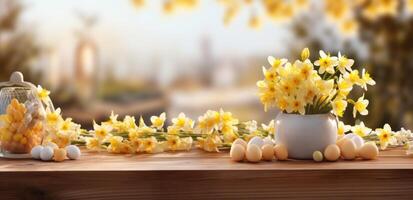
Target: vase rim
(294, 114)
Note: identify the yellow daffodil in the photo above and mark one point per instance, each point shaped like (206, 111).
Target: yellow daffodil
(361, 106)
(93, 143)
(276, 63)
(129, 122)
(306, 69)
(298, 105)
(54, 117)
(344, 63)
(353, 77)
(185, 144)
(42, 93)
(326, 63)
(384, 134)
(270, 128)
(182, 122)
(344, 87)
(115, 144)
(158, 122)
(173, 142)
(227, 118)
(255, 22)
(339, 106)
(149, 144)
(209, 121)
(66, 125)
(113, 119)
(361, 129)
(366, 79)
(342, 128)
(325, 86)
(270, 75)
(101, 131)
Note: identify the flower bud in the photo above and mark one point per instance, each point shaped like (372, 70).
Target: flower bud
(305, 54)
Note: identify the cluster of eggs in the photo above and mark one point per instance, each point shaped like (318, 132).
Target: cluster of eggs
(348, 147)
(257, 149)
(22, 127)
(52, 152)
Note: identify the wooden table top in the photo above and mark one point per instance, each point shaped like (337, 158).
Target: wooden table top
(201, 175)
(198, 160)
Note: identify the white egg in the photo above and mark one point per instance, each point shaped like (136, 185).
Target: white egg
(349, 136)
(281, 152)
(267, 152)
(237, 152)
(332, 152)
(254, 153)
(269, 141)
(358, 141)
(348, 150)
(256, 141)
(369, 151)
(35, 152)
(73, 152)
(46, 154)
(241, 142)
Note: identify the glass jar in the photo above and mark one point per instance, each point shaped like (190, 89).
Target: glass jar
(21, 122)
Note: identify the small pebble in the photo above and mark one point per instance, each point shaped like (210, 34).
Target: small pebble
(317, 156)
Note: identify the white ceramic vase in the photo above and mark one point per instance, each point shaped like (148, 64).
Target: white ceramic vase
(304, 134)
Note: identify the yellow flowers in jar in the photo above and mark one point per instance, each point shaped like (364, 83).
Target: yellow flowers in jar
(304, 87)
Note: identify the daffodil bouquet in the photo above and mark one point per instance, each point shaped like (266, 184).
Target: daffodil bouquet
(303, 87)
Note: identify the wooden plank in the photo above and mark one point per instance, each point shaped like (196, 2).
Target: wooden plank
(201, 175)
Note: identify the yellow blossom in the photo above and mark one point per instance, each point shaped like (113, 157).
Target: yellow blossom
(361, 106)
(54, 117)
(158, 122)
(366, 79)
(173, 142)
(384, 134)
(305, 54)
(361, 129)
(339, 106)
(42, 93)
(326, 63)
(275, 63)
(344, 63)
(270, 128)
(342, 128)
(182, 122)
(149, 144)
(353, 77)
(101, 131)
(93, 143)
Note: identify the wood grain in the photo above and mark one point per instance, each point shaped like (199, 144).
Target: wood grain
(200, 175)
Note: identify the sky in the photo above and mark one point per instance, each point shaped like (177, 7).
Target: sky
(131, 38)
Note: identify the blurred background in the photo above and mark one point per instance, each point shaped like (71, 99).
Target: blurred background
(142, 57)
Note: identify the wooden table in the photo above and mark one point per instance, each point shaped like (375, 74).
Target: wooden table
(199, 175)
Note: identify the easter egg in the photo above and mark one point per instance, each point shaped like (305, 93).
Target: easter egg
(348, 150)
(317, 156)
(358, 141)
(368, 151)
(46, 153)
(237, 152)
(269, 141)
(256, 141)
(73, 152)
(332, 152)
(281, 152)
(59, 155)
(253, 153)
(341, 141)
(267, 152)
(35, 152)
(241, 142)
(349, 136)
